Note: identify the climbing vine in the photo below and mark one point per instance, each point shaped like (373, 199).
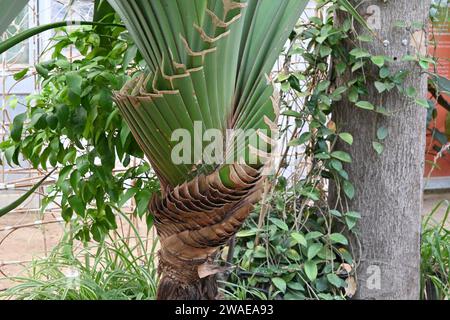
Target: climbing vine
(295, 245)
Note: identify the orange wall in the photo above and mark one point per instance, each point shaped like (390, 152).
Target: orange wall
(442, 51)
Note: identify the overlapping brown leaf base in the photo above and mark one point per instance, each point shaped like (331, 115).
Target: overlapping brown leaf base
(193, 220)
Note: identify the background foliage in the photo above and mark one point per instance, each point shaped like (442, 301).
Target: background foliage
(73, 124)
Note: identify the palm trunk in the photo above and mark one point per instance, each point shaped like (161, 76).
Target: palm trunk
(193, 220)
(181, 282)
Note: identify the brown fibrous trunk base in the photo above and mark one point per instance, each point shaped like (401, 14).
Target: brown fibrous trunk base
(203, 289)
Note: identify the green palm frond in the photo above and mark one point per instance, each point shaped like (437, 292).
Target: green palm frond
(209, 61)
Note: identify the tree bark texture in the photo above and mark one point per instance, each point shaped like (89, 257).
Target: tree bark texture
(388, 187)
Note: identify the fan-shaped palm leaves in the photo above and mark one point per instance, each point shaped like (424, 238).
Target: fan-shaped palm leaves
(208, 64)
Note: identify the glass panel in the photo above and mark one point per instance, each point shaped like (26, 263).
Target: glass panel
(19, 54)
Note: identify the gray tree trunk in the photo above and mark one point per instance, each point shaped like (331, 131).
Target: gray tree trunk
(388, 186)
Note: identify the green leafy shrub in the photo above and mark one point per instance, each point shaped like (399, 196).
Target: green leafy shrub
(73, 124)
(435, 256)
(299, 252)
